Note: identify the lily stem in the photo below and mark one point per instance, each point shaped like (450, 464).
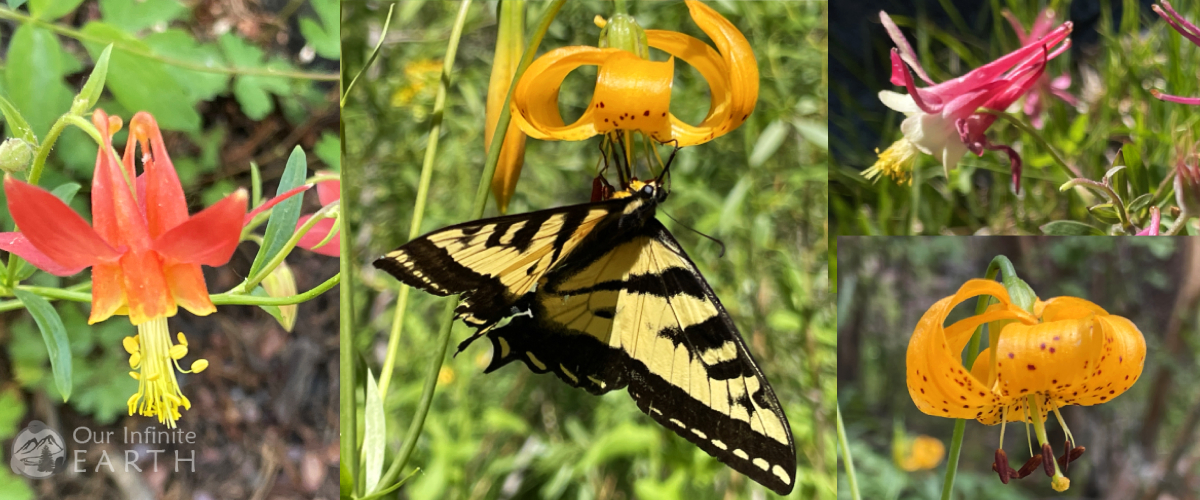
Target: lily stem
(846, 458)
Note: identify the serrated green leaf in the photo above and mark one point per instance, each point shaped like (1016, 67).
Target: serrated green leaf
(282, 223)
(143, 84)
(1070, 228)
(179, 44)
(34, 77)
(136, 15)
(324, 35)
(52, 9)
(55, 336)
(95, 83)
(374, 434)
(17, 125)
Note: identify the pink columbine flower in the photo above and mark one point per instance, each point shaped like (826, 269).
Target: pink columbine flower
(1189, 31)
(1045, 87)
(942, 119)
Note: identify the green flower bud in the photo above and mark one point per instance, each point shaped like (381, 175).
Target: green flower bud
(15, 155)
(622, 31)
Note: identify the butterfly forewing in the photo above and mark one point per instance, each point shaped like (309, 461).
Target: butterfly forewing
(494, 262)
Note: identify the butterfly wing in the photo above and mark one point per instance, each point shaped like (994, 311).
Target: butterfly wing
(635, 312)
(494, 262)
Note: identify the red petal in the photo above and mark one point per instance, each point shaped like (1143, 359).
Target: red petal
(329, 191)
(186, 282)
(18, 244)
(53, 228)
(209, 237)
(317, 234)
(165, 204)
(275, 201)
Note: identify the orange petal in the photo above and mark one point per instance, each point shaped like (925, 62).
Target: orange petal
(146, 289)
(108, 292)
(186, 282)
(1059, 308)
(19, 245)
(1119, 364)
(209, 237)
(1046, 357)
(633, 94)
(116, 213)
(53, 228)
(535, 100)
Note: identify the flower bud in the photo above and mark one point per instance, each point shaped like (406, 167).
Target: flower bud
(622, 31)
(282, 283)
(15, 155)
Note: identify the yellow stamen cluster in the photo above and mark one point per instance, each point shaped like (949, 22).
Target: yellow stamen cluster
(896, 162)
(152, 354)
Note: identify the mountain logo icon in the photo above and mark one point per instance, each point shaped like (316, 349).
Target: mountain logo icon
(38, 451)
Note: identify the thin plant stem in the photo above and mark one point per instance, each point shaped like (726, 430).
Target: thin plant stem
(347, 374)
(1032, 132)
(371, 59)
(6, 13)
(254, 300)
(846, 457)
(481, 196)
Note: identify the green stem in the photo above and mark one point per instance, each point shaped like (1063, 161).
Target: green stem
(485, 180)
(846, 458)
(371, 59)
(1024, 127)
(81, 36)
(221, 299)
(1180, 222)
(347, 401)
(321, 214)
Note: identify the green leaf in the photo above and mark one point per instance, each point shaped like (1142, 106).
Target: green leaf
(17, 125)
(374, 434)
(324, 36)
(768, 142)
(253, 93)
(282, 223)
(52, 9)
(329, 150)
(140, 83)
(1140, 203)
(1106, 213)
(34, 77)
(136, 15)
(14, 488)
(179, 44)
(15, 4)
(1138, 176)
(95, 83)
(1070, 228)
(272, 310)
(55, 336)
(12, 411)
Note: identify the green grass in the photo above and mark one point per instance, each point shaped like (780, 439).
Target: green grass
(513, 432)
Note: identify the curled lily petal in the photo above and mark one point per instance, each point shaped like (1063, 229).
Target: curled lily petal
(535, 107)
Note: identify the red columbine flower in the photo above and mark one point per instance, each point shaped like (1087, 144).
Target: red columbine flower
(327, 192)
(942, 119)
(1189, 31)
(1045, 87)
(144, 250)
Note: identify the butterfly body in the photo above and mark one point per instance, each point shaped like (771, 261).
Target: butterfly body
(603, 296)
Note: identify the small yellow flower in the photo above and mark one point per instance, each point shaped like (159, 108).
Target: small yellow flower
(152, 354)
(919, 453)
(420, 76)
(633, 93)
(446, 376)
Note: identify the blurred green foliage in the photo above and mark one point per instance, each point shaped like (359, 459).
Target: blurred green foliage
(1112, 75)
(886, 284)
(761, 190)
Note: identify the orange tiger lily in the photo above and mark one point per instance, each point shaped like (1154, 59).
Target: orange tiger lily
(1068, 351)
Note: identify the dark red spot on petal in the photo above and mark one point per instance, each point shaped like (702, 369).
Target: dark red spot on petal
(1031, 367)
(1010, 355)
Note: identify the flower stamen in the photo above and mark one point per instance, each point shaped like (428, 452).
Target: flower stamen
(152, 354)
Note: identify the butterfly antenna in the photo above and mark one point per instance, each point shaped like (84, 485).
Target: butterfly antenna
(670, 159)
(689, 228)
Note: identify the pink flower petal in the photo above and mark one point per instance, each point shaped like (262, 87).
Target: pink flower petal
(329, 191)
(317, 234)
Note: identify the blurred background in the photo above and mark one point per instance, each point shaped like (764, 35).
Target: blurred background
(760, 189)
(1142, 445)
(1120, 51)
(230, 83)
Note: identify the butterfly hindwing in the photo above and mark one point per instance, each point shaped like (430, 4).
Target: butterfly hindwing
(635, 312)
(494, 262)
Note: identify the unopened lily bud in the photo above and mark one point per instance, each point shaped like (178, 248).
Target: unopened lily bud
(622, 31)
(282, 283)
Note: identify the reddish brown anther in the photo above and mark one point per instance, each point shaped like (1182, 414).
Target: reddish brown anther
(1070, 456)
(1001, 466)
(1049, 452)
(1029, 466)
